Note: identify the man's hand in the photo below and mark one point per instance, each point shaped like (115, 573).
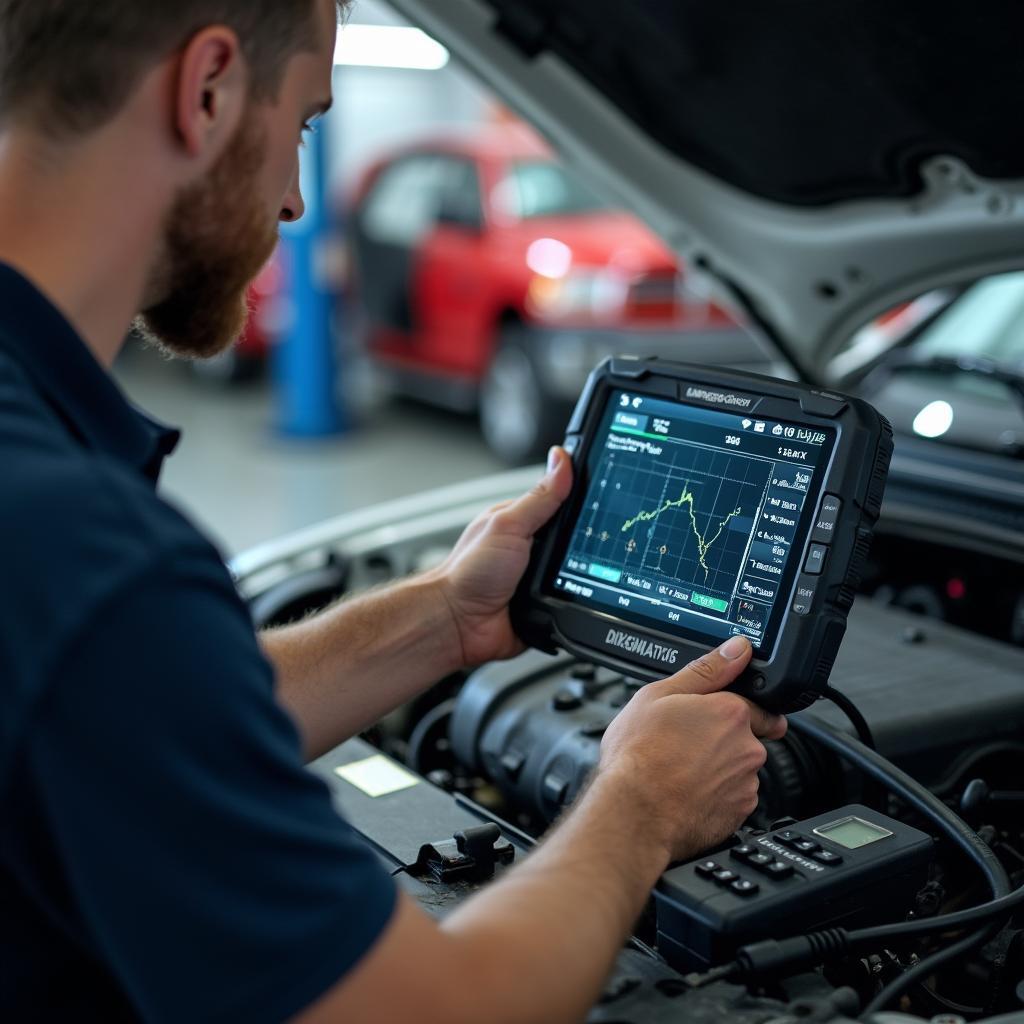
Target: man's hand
(688, 755)
(480, 576)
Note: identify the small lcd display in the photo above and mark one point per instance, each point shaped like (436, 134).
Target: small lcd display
(853, 833)
(691, 517)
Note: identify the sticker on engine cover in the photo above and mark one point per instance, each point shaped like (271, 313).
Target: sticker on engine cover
(376, 776)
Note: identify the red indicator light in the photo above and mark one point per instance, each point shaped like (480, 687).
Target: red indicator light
(956, 589)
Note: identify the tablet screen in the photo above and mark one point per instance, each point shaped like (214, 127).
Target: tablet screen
(693, 520)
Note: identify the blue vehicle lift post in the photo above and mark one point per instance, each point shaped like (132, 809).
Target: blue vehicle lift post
(305, 363)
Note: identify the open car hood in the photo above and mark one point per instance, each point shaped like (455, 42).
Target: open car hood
(824, 161)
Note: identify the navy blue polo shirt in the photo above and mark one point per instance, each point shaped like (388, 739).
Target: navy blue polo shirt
(164, 855)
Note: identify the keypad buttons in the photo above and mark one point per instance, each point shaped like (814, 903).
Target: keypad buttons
(724, 876)
(743, 851)
(787, 836)
(827, 857)
(758, 860)
(806, 846)
(778, 869)
(744, 887)
(707, 868)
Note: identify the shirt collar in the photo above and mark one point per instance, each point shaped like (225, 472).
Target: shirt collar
(79, 389)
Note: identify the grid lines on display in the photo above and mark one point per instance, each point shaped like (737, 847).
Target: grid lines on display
(683, 518)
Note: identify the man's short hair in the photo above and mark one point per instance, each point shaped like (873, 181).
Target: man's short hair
(70, 65)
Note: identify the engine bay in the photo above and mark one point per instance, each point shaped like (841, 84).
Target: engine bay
(492, 757)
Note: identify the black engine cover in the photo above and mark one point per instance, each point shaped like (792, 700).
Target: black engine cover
(933, 695)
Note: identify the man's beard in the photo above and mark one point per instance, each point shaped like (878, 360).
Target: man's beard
(216, 239)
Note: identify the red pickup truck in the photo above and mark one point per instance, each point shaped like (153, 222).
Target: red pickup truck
(486, 276)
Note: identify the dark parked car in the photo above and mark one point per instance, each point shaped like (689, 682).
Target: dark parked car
(959, 377)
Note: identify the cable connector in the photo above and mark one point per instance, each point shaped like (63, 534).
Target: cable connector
(772, 956)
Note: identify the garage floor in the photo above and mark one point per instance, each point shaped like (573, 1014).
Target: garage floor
(243, 484)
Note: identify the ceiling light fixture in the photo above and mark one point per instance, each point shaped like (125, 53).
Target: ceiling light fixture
(389, 46)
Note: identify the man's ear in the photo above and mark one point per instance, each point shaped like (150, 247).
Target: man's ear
(210, 94)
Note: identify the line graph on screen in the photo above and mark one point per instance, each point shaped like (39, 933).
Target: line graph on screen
(684, 519)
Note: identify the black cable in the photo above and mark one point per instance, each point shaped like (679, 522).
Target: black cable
(939, 1004)
(967, 762)
(852, 712)
(758, 958)
(911, 792)
(924, 968)
(984, 912)
(963, 836)
(773, 955)
(873, 793)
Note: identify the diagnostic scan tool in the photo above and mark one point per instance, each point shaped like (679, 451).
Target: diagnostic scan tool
(708, 503)
(847, 867)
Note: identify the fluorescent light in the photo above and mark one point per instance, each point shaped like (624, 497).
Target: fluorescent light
(934, 419)
(389, 46)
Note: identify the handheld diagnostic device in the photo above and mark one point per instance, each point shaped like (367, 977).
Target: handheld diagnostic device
(708, 503)
(850, 867)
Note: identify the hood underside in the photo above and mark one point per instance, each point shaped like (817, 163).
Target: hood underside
(823, 160)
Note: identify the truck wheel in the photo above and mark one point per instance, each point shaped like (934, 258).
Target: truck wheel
(519, 419)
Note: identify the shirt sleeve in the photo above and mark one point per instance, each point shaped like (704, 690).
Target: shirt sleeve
(206, 868)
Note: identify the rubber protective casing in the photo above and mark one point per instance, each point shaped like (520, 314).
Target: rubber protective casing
(796, 672)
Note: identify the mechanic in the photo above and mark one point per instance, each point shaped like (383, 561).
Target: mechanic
(164, 854)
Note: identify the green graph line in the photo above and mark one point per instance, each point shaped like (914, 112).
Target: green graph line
(686, 498)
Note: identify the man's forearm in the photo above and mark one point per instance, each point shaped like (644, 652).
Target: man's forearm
(341, 670)
(577, 896)
(535, 947)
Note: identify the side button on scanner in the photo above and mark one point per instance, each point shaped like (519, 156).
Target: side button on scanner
(806, 587)
(816, 559)
(828, 516)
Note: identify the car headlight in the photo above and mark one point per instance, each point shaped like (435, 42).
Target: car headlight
(597, 294)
